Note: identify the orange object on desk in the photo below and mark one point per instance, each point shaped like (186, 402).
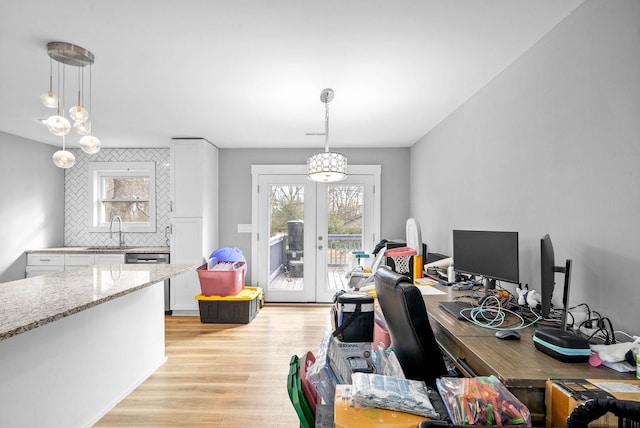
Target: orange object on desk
(346, 416)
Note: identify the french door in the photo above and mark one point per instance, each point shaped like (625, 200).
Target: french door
(305, 232)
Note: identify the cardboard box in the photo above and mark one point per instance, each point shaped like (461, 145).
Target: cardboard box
(564, 395)
(341, 356)
(354, 349)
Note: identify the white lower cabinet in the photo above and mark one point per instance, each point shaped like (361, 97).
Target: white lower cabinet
(43, 263)
(45, 259)
(186, 247)
(42, 270)
(74, 261)
(109, 259)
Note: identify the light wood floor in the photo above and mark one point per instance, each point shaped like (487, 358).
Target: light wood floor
(225, 375)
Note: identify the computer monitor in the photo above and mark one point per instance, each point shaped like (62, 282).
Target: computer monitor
(492, 255)
(548, 270)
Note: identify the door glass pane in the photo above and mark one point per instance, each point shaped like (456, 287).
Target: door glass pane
(344, 231)
(286, 237)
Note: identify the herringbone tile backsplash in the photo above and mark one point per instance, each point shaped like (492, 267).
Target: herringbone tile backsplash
(76, 194)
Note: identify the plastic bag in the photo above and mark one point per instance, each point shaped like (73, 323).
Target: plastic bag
(482, 400)
(386, 392)
(321, 374)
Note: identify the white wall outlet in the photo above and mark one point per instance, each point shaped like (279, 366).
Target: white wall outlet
(244, 228)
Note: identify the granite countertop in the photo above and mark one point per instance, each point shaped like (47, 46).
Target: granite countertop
(103, 249)
(29, 303)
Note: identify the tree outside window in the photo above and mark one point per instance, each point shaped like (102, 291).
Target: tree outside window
(125, 189)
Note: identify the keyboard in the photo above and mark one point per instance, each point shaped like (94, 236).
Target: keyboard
(454, 308)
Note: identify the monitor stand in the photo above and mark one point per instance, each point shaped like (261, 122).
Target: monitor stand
(489, 286)
(565, 292)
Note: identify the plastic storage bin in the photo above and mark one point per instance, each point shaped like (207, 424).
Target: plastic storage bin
(221, 282)
(239, 309)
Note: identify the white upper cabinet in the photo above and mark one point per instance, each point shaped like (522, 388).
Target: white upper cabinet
(194, 179)
(186, 179)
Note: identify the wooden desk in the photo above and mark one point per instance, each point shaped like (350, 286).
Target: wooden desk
(517, 363)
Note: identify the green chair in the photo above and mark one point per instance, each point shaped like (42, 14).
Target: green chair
(296, 394)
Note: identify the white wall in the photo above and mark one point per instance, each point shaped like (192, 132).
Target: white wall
(32, 202)
(552, 145)
(235, 188)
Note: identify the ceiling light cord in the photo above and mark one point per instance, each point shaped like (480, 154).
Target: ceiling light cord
(60, 94)
(50, 75)
(326, 126)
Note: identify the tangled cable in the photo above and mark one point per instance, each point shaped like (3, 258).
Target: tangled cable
(492, 314)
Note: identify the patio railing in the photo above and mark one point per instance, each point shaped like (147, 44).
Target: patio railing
(339, 247)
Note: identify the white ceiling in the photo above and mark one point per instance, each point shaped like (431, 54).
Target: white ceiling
(248, 73)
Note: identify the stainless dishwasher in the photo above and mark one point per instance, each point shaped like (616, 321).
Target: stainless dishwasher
(131, 258)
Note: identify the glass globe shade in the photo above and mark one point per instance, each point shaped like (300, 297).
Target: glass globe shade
(49, 99)
(82, 128)
(78, 113)
(58, 125)
(64, 159)
(90, 144)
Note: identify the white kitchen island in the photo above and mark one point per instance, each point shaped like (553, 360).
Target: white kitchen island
(73, 344)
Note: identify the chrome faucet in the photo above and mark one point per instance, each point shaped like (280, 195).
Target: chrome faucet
(120, 235)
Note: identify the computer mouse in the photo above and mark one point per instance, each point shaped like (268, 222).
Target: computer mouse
(508, 335)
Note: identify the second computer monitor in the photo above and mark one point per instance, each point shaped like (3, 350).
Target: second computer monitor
(490, 254)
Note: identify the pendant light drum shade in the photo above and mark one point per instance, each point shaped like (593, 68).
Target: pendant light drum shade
(328, 166)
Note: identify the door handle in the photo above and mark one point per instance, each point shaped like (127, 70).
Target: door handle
(319, 247)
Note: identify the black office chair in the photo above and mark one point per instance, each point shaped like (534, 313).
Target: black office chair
(412, 338)
(628, 413)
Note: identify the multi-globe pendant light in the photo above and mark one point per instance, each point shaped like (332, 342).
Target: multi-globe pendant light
(327, 166)
(76, 56)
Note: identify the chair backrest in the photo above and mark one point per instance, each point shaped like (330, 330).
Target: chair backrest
(628, 413)
(412, 338)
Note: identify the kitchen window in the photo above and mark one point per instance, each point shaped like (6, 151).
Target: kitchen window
(125, 189)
